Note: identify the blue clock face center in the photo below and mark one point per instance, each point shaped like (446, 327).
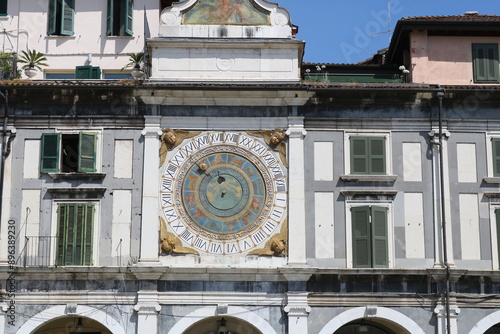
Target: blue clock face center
(226, 195)
(224, 192)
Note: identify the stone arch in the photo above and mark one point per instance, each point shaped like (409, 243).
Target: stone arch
(59, 311)
(232, 311)
(486, 323)
(382, 313)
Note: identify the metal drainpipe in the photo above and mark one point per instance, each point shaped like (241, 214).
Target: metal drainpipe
(4, 147)
(440, 95)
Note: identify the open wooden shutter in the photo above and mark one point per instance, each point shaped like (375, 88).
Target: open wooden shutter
(110, 17)
(361, 242)
(3, 7)
(87, 152)
(67, 17)
(379, 237)
(359, 152)
(52, 21)
(376, 155)
(50, 153)
(127, 18)
(485, 62)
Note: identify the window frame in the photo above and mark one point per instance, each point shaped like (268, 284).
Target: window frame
(64, 12)
(125, 18)
(488, 64)
(350, 252)
(82, 170)
(94, 236)
(387, 153)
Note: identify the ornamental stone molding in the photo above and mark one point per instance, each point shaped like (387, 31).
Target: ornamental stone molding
(297, 304)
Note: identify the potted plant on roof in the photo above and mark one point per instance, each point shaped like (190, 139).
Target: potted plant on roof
(34, 60)
(135, 61)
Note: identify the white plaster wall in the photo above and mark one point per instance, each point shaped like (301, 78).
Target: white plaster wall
(469, 227)
(31, 164)
(323, 161)
(443, 59)
(204, 60)
(466, 162)
(27, 26)
(414, 226)
(412, 162)
(323, 208)
(123, 159)
(30, 217)
(122, 220)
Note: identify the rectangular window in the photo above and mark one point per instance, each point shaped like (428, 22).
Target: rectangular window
(496, 156)
(3, 7)
(120, 15)
(88, 72)
(367, 155)
(61, 17)
(68, 153)
(369, 237)
(485, 62)
(59, 76)
(74, 234)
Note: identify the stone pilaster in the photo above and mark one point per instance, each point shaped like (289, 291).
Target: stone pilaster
(296, 192)
(298, 311)
(440, 312)
(151, 162)
(147, 309)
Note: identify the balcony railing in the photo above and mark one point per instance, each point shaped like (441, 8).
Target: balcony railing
(38, 251)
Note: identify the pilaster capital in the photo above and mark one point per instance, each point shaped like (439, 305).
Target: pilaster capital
(440, 311)
(151, 132)
(297, 304)
(147, 302)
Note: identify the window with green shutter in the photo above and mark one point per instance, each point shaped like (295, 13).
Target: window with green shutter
(497, 216)
(120, 18)
(88, 72)
(485, 62)
(68, 153)
(75, 223)
(3, 7)
(61, 15)
(496, 156)
(369, 237)
(367, 155)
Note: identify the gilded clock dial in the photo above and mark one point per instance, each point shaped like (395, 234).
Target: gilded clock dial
(223, 192)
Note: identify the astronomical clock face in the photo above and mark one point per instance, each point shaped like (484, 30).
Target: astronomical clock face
(224, 192)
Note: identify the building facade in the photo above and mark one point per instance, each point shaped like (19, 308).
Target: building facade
(226, 194)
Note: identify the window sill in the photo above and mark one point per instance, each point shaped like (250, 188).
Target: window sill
(492, 180)
(61, 36)
(120, 37)
(73, 176)
(368, 178)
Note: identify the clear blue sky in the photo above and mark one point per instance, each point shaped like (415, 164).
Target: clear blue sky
(348, 31)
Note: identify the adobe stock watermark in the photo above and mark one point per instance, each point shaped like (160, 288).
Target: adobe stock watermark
(364, 35)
